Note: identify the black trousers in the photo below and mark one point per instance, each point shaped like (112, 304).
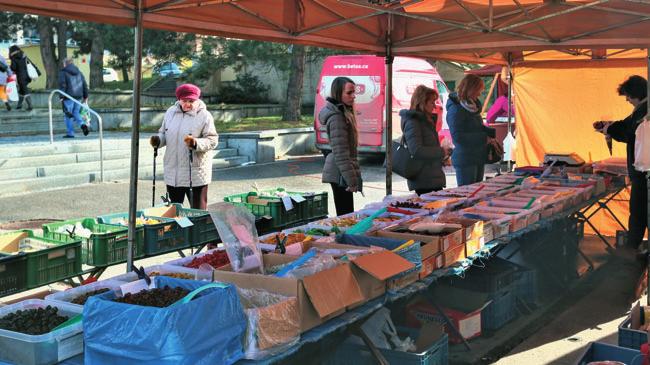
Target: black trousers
(177, 194)
(343, 200)
(638, 220)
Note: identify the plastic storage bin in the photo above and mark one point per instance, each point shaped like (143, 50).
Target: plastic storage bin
(262, 206)
(13, 273)
(353, 353)
(106, 245)
(202, 231)
(597, 351)
(49, 348)
(162, 269)
(158, 238)
(501, 311)
(67, 296)
(631, 338)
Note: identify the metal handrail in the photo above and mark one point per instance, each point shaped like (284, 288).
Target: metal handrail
(99, 119)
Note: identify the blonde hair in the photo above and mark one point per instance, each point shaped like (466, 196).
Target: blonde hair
(420, 97)
(469, 85)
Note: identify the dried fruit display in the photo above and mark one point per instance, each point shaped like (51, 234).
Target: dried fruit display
(291, 238)
(406, 204)
(81, 300)
(215, 259)
(158, 297)
(33, 321)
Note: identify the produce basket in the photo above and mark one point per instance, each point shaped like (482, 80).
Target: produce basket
(48, 348)
(47, 259)
(216, 258)
(101, 244)
(178, 272)
(266, 206)
(202, 231)
(13, 273)
(163, 235)
(75, 296)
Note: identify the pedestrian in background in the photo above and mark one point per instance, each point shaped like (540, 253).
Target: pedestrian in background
(187, 128)
(19, 66)
(419, 130)
(73, 83)
(5, 72)
(341, 167)
(468, 133)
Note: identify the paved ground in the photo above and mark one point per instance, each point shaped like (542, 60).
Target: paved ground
(589, 312)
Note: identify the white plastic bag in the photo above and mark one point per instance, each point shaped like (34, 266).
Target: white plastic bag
(31, 71)
(642, 147)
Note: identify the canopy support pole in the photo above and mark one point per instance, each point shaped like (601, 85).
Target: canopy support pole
(648, 181)
(509, 76)
(389, 108)
(135, 132)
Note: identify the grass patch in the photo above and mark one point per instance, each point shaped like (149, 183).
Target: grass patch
(128, 85)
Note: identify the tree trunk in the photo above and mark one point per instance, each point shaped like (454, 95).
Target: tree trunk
(45, 32)
(97, 60)
(125, 74)
(61, 40)
(294, 88)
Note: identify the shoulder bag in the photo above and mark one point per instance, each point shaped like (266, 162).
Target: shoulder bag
(404, 164)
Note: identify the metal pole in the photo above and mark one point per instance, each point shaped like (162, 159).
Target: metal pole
(648, 180)
(135, 132)
(509, 100)
(389, 108)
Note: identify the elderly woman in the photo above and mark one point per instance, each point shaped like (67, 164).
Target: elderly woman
(341, 168)
(189, 134)
(468, 133)
(419, 129)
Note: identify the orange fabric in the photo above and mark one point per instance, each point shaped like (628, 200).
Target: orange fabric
(556, 104)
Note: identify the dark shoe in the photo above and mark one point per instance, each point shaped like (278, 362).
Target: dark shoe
(67, 136)
(29, 109)
(85, 129)
(8, 106)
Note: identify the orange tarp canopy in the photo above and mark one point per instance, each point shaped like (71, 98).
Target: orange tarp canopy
(469, 30)
(556, 103)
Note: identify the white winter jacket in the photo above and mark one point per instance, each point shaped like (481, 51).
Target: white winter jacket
(176, 125)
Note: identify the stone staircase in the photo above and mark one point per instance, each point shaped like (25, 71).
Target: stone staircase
(37, 121)
(31, 163)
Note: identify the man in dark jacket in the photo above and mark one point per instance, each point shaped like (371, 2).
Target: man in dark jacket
(635, 90)
(19, 67)
(73, 83)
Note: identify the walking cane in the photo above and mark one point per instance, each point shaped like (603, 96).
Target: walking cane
(153, 192)
(191, 192)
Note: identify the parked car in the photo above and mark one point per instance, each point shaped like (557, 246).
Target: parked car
(109, 75)
(167, 69)
(368, 73)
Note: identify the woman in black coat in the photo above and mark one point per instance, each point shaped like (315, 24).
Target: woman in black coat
(19, 67)
(419, 130)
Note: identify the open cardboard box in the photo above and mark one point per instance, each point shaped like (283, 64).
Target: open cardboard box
(10, 242)
(473, 231)
(429, 244)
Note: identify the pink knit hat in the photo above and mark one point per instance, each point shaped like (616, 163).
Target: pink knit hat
(188, 91)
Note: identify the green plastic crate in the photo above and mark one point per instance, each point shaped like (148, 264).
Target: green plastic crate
(274, 208)
(314, 206)
(203, 230)
(107, 245)
(58, 259)
(13, 273)
(158, 238)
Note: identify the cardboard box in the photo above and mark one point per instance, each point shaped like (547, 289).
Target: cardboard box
(473, 246)
(462, 307)
(402, 281)
(453, 255)
(429, 244)
(373, 271)
(321, 296)
(472, 228)
(430, 264)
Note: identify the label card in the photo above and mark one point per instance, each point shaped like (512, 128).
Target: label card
(298, 198)
(286, 200)
(184, 222)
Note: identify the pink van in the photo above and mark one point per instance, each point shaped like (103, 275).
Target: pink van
(369, 74)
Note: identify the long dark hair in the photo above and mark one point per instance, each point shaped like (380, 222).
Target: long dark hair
(336, 91)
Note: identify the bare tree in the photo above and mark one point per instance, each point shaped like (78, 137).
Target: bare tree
(46, 34)
(294, 87)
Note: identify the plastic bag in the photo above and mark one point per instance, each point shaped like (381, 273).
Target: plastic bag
(85, 114)
(236, 227)
(314, 265)
(11, 88)
(642, 147)
(208, 330)
(273, 322)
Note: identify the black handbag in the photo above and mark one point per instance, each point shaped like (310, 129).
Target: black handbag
(494, 151)
(404, 164)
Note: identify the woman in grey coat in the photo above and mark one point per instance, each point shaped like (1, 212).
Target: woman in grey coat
(419, 130)
(341, 168)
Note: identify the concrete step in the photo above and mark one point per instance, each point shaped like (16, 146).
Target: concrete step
(220, 163)
(62, 146)
(69, 158)
(225, 152)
